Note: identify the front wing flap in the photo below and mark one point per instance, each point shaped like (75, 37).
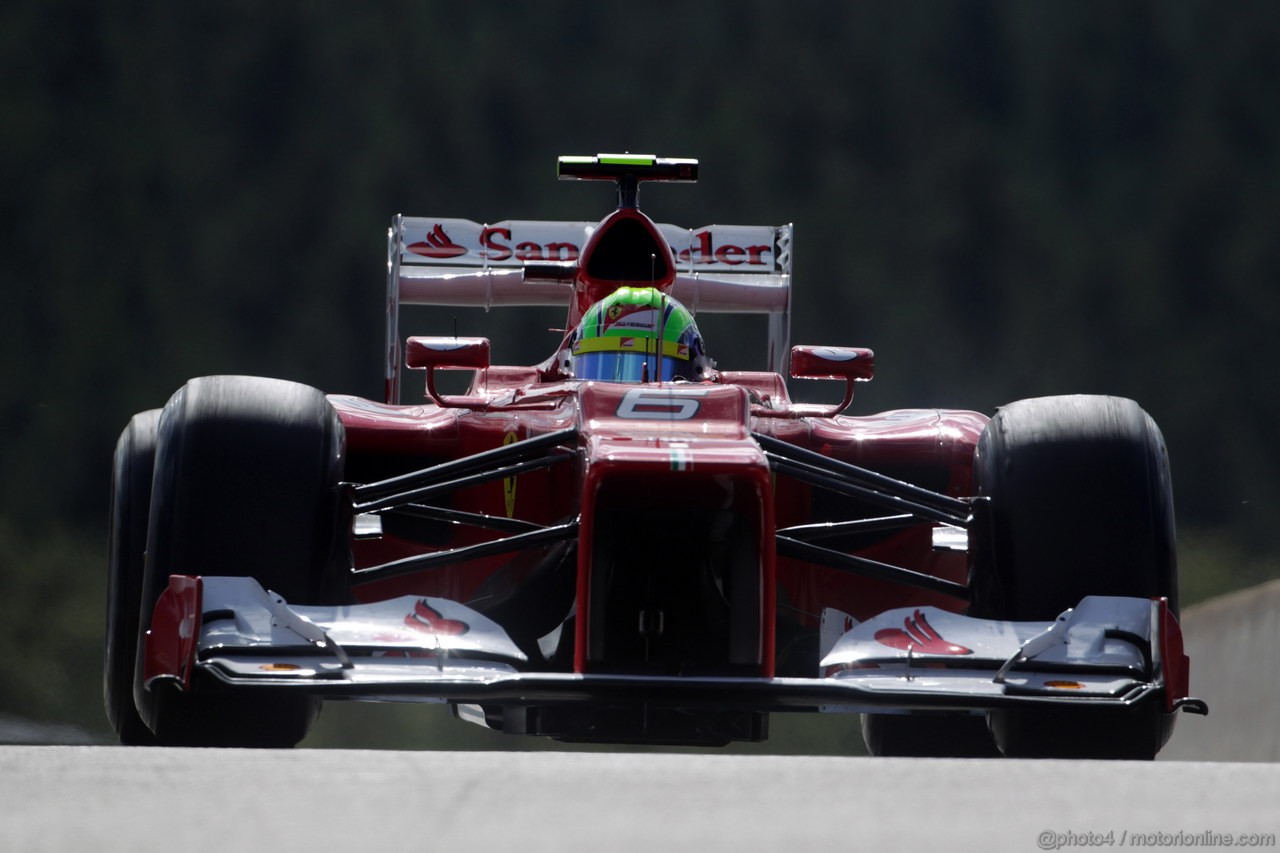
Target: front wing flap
(1105, 649)
(217, 633)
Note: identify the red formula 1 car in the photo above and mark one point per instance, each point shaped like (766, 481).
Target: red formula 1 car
(624, 543)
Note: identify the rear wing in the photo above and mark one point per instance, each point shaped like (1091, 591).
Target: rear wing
(743, 269)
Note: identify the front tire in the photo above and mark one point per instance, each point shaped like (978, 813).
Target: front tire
(247, 474)
(126, 549)
(1081, 504)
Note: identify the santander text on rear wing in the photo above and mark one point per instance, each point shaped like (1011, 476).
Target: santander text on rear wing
(720, 268)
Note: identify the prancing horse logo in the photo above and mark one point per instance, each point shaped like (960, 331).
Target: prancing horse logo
(509, 483)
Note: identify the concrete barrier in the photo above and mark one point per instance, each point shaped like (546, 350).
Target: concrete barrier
(1234, 644)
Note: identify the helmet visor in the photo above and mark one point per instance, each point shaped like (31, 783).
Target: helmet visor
(613, 366)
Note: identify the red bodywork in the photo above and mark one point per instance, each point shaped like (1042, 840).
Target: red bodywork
(649, 455)
(673, 457)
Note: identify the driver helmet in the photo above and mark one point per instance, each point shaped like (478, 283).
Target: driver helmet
(617, 339)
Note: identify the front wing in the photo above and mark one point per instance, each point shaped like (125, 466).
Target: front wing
(223, 633)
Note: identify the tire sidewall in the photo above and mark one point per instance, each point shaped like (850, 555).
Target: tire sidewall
(132, 468)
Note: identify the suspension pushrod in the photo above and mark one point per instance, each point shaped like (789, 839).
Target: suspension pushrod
(446, 470)
(829, 529)
(798, 550)
(429, 490)
(475, 519)
(436, 559)
(819, 477)
(861, 475)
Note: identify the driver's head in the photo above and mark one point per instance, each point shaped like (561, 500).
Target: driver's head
(617, 340)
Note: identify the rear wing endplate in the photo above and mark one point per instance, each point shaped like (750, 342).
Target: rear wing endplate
(720, 268)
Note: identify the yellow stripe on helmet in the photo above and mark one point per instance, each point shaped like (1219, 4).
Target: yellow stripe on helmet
(627, 343)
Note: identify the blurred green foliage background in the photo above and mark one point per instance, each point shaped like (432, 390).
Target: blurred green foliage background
(1003, 199)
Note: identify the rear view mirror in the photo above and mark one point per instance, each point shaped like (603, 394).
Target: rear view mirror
(457, 353)
(852, 364)
(447, 353)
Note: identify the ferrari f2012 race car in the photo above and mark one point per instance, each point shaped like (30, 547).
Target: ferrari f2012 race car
(624, 543)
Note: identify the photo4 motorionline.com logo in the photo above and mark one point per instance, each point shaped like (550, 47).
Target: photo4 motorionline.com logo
(1052, 840)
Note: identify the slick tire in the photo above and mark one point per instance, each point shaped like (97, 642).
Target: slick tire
(246, 483)
(1081, 504)
(132, 467)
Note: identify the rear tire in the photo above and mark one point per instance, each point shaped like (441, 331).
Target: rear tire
(246, 484)
(1081, 504)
